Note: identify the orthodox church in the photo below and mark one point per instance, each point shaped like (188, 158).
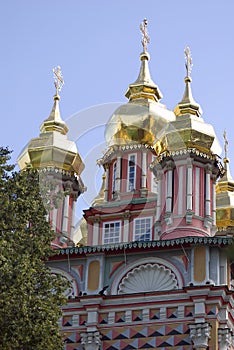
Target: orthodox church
(152, 270)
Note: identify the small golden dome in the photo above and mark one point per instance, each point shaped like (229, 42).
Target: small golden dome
(52, 148)
(140, 119)
(188, 130)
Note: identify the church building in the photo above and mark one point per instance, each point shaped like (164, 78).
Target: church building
(153, 268)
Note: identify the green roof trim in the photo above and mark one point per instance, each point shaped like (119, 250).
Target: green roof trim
(147, 244)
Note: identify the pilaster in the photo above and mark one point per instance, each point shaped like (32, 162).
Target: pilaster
(200, 335)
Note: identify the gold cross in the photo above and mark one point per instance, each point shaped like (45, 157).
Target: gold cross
(58, 79)
(225, 143)
(188, 60)
(145, 37)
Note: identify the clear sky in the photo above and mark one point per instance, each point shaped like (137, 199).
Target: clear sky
(97, 44)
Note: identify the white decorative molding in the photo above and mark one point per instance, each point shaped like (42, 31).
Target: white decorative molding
(200, 334)
(148, 278)
(72, 291)
(225, 338)
(91, 340)
(136, 264)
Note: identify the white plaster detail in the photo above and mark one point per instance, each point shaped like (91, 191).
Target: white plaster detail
(147, 278)
(75, 320)
(225, 338)
(150, 260)
(65, 214)
(197, 192)
(91, 340)
(180, 190)
(72, 291)
(200, 334)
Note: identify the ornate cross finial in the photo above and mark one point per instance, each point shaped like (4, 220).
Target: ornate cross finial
(145, 37)
(188, 60)
(225, 143)
(58, 79)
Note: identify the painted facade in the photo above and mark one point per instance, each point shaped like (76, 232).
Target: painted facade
(154, 271)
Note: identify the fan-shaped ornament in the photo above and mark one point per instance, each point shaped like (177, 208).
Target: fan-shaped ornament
(148, 278)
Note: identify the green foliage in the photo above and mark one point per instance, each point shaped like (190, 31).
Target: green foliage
(30, 295)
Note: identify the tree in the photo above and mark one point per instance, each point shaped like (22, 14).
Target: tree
(30, 295)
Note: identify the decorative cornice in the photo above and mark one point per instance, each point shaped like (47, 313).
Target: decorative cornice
(147, 244)
(122, 148)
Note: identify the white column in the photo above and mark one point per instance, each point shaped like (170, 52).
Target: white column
(180, 191)
(106, 183)
(197, 192)
(91, 340)
(189, 191)
(118, 174)
(73, 223)
(225, 338)
(207, 190)
(159, 198)
(143, 170)
(213, 203)
(169, 191)
(65, 214)
(54, 219)
(96, 231)
(200, 335)
(126, 226)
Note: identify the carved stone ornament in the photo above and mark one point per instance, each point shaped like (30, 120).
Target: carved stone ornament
(148, 278)
(225, 338)
(200, 334)
(91, 340)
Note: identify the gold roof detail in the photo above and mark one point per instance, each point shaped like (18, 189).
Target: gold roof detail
(99, 199)
(144, 87)
(52, 147)
(188, 131)
(188, 104)
(54, 122)
(139, 120)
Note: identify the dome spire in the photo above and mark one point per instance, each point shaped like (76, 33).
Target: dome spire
(144, 87)
(188, 105)
(227, 176)
(54, 122)
(145, 36)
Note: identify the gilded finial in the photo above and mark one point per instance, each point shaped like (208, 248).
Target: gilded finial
(58, 79)
(145, 36)
(225, 143)
(188, 61)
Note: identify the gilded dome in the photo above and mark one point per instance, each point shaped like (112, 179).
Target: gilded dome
(52, 148)
(188, 130)
(139, 120)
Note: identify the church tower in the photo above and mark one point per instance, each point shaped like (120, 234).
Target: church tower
(155, 273)
(60, 166)
(187, 167)
(127, 209)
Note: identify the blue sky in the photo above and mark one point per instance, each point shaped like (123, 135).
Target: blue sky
(97, 44)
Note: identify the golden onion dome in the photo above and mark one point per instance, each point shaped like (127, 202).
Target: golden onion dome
(140, 119)
(52, 147)
(188, 130)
